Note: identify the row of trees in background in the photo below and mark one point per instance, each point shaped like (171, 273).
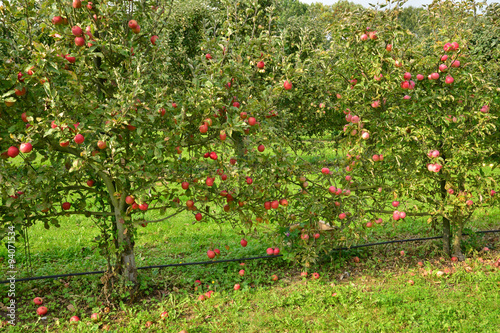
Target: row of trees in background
(111, 110)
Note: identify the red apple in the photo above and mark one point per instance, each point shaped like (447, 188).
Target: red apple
(304, 236)
(395, 203)
(420, 77)
(252, 121)
(57, 20)
(364, 37)
(261, 148)
(164, 315)
(198, 217)
(223, 136)
(210, 254)
(90, 183)
(77, 31)
(38, 300)
(355, 259)
(79, 139)
(241, 272)
(154, 39)
(342, 216)
(185, 185)
(449, 80)
(275, 204)
(244, 242)
(208, 56)
(276, 251)
(42, 311)
(89, 5)
(454, 259)
(236, 286)
(101, 144)
(25, 147)
(274, 277)
(270, 251)
(389, 47)
(143, 206)
(315, 276)
(13, 151)
(232, 161)
(79, 41)
(95, 317)
(287, 85)
(260, 64)
(137, 29)
(129, 200)
(132, 24)
(217, 251)
(249, 180)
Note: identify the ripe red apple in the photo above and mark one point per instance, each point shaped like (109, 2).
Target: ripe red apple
(449, 80)
(260, 64)
(89, 5)
(12, 151)
(303, 274)
(217, 251)
(364, 37)
(315, 276)
(284, 202)
(274, 277)
(223, 136)
(189, 204)
(57, 20)
(398, 63)
(325, 171)
(492, 192)
(454, 46)
(369, 225)
(198, 217)
(420, 77)
(77, 4)
(454, 259)
(252, 121)
(434, 76)
(38, 300)
(355, 259)
(42, 311)
(203, 128)
(164, 315)
(275, 204)
(77, 31)
(21, 92)
(101, 144)
(79, 139)
(129, 200)
(402, 253)
(395, 203)
(236, 286)
(74, 319)
(232, 161)
(270, 251)
(342, 216)
(287, 85)
(420, 263)
(304, 236)
(389, 47)
(208, 56)
(249, 180)
(241, 272)
(185, 185)
(244, 242)
(444, 58)
(276, 251)
(469, 203)
(372, 35)
(455, 63)
(210, 254)
(316, 236)
(135, 205)
(143, 206)
(407, 76)
(137, 29)
(154, 39)
(209, 181)
(261, 148)
(90, 183)
(64, 144)
(132, 24)
(267, 205)
(79, 41)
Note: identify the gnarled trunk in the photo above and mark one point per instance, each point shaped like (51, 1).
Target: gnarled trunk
(126, 265)
(457, 239)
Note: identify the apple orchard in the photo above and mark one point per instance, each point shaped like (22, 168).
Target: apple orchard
(108, 113)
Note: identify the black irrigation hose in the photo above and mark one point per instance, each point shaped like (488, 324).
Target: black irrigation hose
(239, 259)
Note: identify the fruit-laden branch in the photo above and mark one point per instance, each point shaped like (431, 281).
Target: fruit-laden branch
(65, 213)
(390, 212)
(76, 187)
(165, 218)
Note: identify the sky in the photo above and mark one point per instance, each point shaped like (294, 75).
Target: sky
(414, 3)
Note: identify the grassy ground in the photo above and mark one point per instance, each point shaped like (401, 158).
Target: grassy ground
(373, 295)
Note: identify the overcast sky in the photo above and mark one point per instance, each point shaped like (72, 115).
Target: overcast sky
(414, 3)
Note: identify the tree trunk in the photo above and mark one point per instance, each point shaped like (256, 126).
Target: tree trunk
(446, 223)
(457, 239)
(126, 265)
